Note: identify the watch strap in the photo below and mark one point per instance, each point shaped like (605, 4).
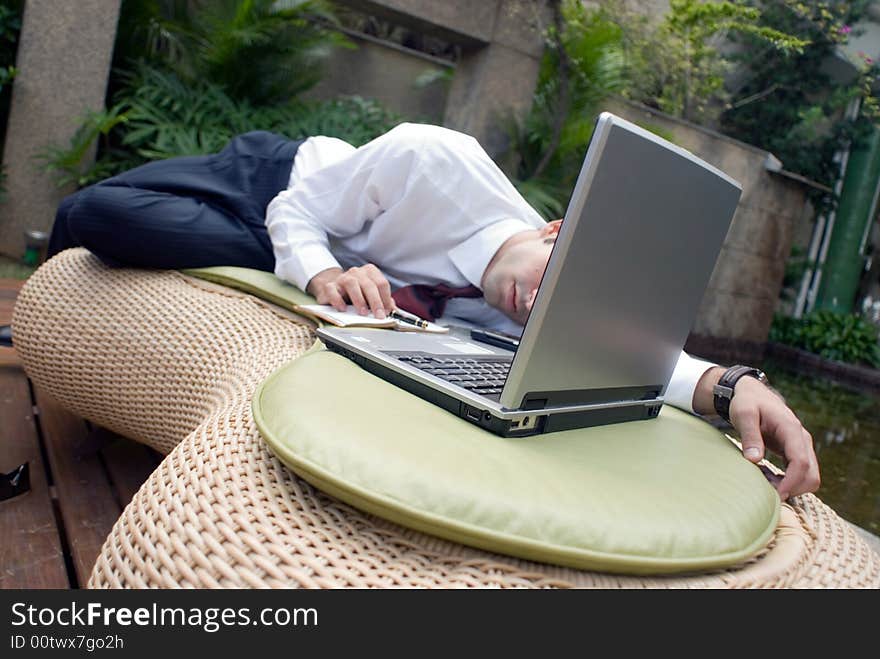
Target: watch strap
(723, 391)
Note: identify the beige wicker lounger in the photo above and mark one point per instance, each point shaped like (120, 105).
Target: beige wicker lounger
(172, 362)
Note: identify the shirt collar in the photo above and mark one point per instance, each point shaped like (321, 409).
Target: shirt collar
(473, 255)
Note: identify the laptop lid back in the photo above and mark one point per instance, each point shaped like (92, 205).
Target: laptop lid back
(638, 243)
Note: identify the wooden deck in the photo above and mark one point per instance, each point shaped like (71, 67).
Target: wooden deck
(81, 478)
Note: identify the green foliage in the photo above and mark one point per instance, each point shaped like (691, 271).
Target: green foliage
(157, 116)
(676, 66)
(68, 162)
(434, 76)
(190, 75)
(10, 25)
(840, 337)
(796, 265)
(14, 269)
(544, 195)
(7, 73)
(595, 66)
(353, 119)
(787, 103)
(679, 65)
(265, 51)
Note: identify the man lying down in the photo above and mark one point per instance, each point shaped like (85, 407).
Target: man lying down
(419, 205)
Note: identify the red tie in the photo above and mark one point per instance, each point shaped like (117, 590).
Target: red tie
(429, 302)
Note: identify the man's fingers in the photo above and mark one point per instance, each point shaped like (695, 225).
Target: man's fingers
(813, 480)
(365, 288)
(802, 470)
(761, 417)
(373, 298)
(333, 297)
(795, 471)
(748, 423)
(352, 288)
(383, 287)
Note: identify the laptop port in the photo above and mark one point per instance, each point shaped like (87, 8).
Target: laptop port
(473, 413)
(526, 423)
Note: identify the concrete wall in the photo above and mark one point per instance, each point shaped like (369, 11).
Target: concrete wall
(387, 73)
(502, 42)
(63, 59)
(460, 21)
(500, 77)
(744, 289)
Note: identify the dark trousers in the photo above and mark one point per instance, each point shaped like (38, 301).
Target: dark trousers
(188, 212)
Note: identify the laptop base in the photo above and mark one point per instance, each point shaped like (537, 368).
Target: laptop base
(530, 425)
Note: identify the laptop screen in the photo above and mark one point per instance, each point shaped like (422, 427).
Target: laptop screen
(637, 246)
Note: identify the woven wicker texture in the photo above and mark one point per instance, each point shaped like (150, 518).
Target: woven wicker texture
(160, 358)
(147, 355)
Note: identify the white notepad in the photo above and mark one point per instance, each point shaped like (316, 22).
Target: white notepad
(351, 318)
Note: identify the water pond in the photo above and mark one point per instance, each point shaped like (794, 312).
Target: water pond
(845, 425)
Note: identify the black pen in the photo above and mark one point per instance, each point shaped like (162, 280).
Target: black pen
(408, 317)
(499, 339)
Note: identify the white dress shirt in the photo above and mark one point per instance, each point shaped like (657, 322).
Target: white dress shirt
(426, 205)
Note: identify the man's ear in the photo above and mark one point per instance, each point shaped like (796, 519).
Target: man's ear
(551, 228)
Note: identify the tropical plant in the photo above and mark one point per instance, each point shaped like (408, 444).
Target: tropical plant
(10, 25)
(157, 116)
(69, 162)
(839, 337)
(7, 73)
(582, 66)
(189, 75)
(265, 51)
(796, 265)
(680, 64)
(787, 103)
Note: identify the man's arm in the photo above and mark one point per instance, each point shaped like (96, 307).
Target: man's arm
(366, 287)
(338, 201)
(764, 420)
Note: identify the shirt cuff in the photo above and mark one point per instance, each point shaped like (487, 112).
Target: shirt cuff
(473, 255)
(305, 263)
(683, 382)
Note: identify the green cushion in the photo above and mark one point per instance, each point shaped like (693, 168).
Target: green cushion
(666, 495)
(264, 285)
(657, 496)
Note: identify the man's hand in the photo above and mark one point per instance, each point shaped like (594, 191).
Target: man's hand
(764, 420)
(365, 288)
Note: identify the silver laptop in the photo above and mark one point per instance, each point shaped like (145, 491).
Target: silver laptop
(640, 238)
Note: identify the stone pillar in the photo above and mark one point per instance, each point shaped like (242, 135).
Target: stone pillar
(64, 55)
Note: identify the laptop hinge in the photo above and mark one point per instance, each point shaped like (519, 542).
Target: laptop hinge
(539, 400)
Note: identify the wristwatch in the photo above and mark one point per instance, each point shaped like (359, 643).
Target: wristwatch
(723, 391)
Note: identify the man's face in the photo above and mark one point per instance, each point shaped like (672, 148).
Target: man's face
(511, 279)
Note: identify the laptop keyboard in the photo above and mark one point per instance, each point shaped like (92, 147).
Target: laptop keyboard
(480, 375)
